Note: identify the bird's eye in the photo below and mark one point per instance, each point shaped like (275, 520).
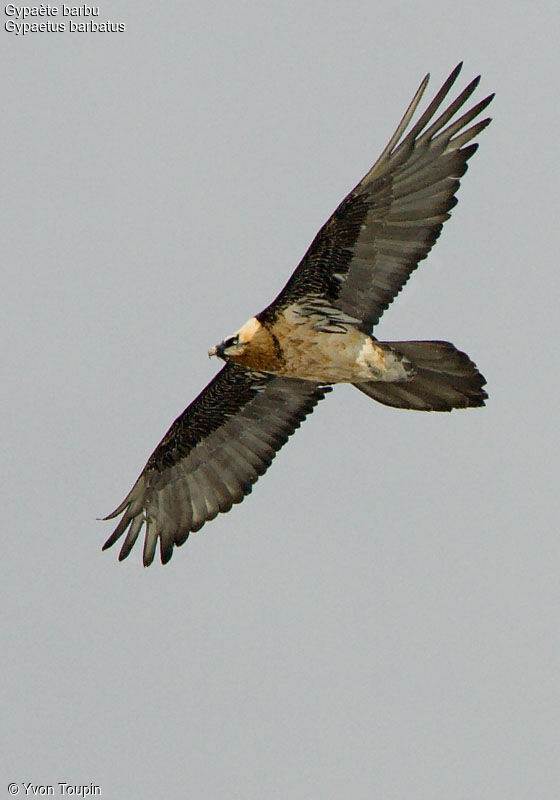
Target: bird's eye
(233, 340)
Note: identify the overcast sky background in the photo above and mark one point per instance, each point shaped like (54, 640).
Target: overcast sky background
(379, 619)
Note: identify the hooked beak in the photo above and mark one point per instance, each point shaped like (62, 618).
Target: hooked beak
(217, 350)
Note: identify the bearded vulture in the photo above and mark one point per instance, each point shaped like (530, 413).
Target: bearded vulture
(316, 333)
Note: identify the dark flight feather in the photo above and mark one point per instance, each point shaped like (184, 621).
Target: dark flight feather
(364, 254)
(211, 456)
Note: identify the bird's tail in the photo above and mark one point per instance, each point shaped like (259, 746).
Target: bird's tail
(443, 378)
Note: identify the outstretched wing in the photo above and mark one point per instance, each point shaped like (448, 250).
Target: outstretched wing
(364, 254)
(211, 456)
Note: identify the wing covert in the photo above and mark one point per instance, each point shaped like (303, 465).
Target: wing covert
(211, 456)
(364, 254)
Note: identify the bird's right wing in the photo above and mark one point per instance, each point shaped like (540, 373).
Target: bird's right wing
(211, 456)
(364, 254)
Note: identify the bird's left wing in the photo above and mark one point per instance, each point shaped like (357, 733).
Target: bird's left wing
(364, 254)
(211, 456)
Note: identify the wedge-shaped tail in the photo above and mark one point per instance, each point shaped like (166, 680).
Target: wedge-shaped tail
(444, 378)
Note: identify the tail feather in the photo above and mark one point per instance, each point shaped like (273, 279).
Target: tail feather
(444, 378)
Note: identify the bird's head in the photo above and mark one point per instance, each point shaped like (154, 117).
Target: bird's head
(235, 346)
(228, 348)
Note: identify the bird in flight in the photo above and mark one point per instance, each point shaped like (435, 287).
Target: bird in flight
(317, 332)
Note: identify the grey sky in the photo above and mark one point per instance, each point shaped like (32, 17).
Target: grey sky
(379, 619)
